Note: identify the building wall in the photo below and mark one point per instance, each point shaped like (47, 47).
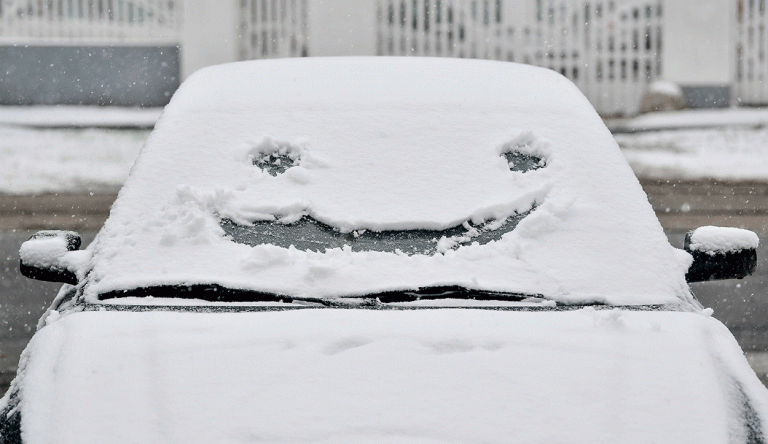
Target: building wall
(88, 75)
(342, 28)
(699, 50)
(210, 34)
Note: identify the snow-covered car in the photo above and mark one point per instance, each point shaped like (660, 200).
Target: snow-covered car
(383, 250)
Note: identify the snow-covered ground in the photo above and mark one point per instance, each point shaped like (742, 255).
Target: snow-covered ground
(734, 153)
(698, 118)
(730, 143)
(38, 154)
(36, 160)
(80, 116)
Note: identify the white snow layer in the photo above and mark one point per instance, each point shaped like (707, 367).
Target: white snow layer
(423, 376)
(39, 160)
(693, 118)
(713, 240)
(79, 116)
(665, 87)
(728, 153)
(387, 144)
(46, 252)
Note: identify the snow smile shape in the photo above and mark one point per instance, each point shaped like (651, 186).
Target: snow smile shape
(309, 234)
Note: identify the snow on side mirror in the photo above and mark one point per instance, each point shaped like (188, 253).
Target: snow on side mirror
(46, 256)
(720, 253)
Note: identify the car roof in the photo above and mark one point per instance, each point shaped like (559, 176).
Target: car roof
(392, 144)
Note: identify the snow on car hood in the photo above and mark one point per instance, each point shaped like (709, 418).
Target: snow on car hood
(436, 376)
(360, 145)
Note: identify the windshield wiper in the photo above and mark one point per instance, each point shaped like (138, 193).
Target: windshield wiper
(448, 292)
(218, 293)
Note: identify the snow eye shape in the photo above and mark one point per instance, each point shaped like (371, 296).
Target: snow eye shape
(274, 156)
(523, 162)
(274, 163)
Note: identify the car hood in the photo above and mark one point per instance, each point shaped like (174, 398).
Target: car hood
(396, 376)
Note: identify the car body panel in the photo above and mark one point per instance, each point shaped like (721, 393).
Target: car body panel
(357, 375)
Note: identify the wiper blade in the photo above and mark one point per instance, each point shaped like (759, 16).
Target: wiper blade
(206, 292)
(218, 293)
(448, 292)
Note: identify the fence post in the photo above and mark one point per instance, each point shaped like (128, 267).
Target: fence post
(210, 34)
(698, 43)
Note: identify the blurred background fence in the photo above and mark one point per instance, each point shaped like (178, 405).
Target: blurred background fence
(273, 29)
(751, 45)
(89, 52)
(613, 50)
(99, 22)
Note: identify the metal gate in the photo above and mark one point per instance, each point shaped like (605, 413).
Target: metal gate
(273, 28)
(610, 49)
(90, 22)
(751, 41)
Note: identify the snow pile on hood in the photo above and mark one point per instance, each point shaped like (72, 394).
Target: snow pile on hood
(351, 376)
(722, 239)
(387, 144)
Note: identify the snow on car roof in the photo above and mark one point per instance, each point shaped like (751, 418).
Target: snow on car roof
(392, 145)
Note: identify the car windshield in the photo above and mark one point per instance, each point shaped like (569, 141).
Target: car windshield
(499, 177)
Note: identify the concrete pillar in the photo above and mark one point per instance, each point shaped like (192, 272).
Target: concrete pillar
(209, 36)
(697, 43)
(342, 27)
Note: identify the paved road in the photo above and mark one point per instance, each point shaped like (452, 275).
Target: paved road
(684, 205)
(79, 212)
(741, 305)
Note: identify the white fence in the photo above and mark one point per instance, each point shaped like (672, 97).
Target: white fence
(751, 86)
(610, 49)
(273, 28)
(90, 22)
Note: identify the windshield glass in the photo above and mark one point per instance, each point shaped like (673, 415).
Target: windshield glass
(308, 234)
(497, 177)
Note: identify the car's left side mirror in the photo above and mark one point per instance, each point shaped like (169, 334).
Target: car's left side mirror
(720, 253)
(47, 256)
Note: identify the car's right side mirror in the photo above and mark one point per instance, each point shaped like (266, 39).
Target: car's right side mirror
(720, 253)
